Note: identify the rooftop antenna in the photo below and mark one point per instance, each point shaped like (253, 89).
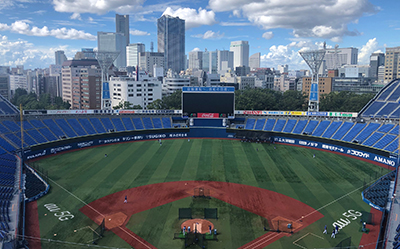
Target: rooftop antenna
(105, 60)
(314, 59)
(151, 47)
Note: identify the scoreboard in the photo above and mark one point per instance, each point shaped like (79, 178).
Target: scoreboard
(208, 102)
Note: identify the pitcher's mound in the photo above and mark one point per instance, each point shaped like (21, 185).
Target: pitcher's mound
(115, 220)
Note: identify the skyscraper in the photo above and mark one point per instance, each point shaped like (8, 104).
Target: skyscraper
(225, 61)
(122, 26)
(108, 41)
(60, 57)
(171, 42)
(254, 61)
(392, 62)
(376, 60)
(335, 58)
(196, 60)
(132, 54)
(240, 51)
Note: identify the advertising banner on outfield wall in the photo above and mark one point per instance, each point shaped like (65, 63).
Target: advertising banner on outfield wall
(299, 113)
(51, 150)
(335, 148)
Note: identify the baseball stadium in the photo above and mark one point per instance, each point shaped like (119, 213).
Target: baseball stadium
(205, 176)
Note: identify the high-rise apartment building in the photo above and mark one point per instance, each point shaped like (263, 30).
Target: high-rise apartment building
(60, 57)
(18, 81)
(254, 61)
(392, 69)
(81, 84)
(122, 26)
(195, 60)
(109, 41)
(224, 61)
(171, 42)
(375, 61)
(4, 86)
(240, 51)
(210, 61)
(335, 58)
(132, 54)
(147, 61)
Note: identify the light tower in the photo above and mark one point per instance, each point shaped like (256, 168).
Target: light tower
(314, 59)
(105, 59)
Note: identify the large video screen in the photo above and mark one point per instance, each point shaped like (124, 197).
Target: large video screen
(208, 104)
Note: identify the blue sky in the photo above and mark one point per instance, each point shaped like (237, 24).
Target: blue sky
(31, 30)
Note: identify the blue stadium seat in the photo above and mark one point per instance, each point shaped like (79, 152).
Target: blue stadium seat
(269, 124)
(280, 123)
(119, 126)
(333, 127)
(373, 108)
(321, 128)
(6, 145)
(76, 126)
(167, 122)
(384, 141)
(367, 131)
(342, 130)
(11, 125)
(373, 139)
(387, 91)
(53, 127)
(13, 138)
(310, 127)
(3, 129)
(250, 123)
(300, 126)
(27, 139)
(157, 123)
(259, 124)
(27, 125)
(37, 123)
(353, 132)
(137, 122)
(387, 109)
(393, 145)
(289, 125)
(66, 127)
(386, 128)
(128, 124)
(147, 123)
(37, 136)
(87, 126)
(47, 134)
(107, 124)
(97, 125)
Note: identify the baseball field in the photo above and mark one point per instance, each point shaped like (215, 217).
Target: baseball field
(256, 188)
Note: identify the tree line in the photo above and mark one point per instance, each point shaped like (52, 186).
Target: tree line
(30, 101)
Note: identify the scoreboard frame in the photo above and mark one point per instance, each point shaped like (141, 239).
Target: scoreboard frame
(209, 90)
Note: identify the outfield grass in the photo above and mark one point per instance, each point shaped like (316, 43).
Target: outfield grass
(292, 171)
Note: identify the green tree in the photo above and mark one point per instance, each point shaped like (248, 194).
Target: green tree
(156, 104)
(344, 101)
(30, 101)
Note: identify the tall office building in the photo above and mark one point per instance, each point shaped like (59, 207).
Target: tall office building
(171, 42)
(335, 58)
(5, 86)
(109, 41)
(392, 69)
(132, 54)
(195, 60)
(375, 61)
(122, 26)
(254, 61)
(60, 57)
(224, 61)
(240, 51)
(210, 61)
(148, 60)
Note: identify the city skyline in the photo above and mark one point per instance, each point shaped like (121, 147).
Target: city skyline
(30, 32)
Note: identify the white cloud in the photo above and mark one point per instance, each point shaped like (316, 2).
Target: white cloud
(366, 50)
(235, 23)
(76, 16)
(192, 17)
(21, 52)
(209, 35)
(196, 49)
(138, 32)
(22, 27)
(326, 19)
(96, 6)
(268, 35)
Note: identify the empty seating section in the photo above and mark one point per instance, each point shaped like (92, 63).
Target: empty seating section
(53, 127)
(367, 131)
(289, 125)
(280, 123)
(395, 130)
(128, 124)
(97, 125)
(6, 145)
(119, 126)
(342, 130)
(48, 134)
(167, 122)
(27, 125)
(311, 126)
(250, 123)
(373, 138)
(37, 136)
(11, 125)
(107, 124)
(394, 96)
(147, 123)
(393, 145)
(3, 129)
(65, 127)
(137, 122)
(157, 123)
(386, 91)
(269, 125)
(77, 127)
(300, 126)
(321, 128)
(6, 109)
(27, 139)
(87, 126)
(260, 124)
(378, 192)
(386, 128)
(387, 109)
(353, 132)
(333, 127)
(13, 138)
(384, 141)
(37, 123)
(373, 108)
